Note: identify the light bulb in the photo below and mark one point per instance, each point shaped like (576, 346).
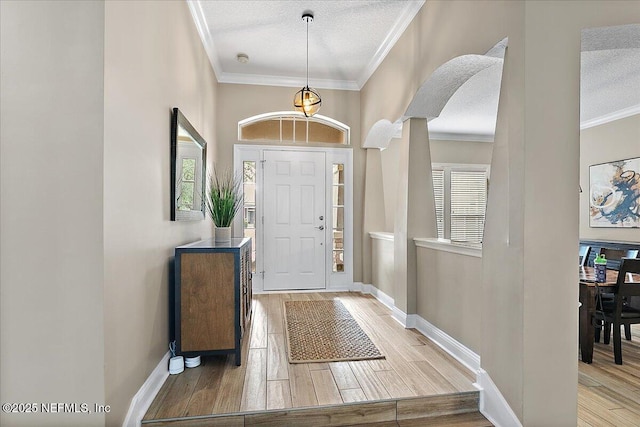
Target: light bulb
(307, 101)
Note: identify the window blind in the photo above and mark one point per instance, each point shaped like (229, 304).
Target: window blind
(468, 204)
(438, 193)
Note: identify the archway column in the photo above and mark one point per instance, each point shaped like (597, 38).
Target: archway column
(415, 209)
(530, 279)
(374, 211)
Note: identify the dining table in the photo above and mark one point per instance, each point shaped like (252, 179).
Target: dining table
(588, 292)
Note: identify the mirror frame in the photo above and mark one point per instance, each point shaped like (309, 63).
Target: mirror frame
(179, 120)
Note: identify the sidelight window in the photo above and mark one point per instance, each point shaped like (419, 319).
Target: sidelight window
(249, 209)
(337, 207)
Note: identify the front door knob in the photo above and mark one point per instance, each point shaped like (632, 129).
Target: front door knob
(321, 227)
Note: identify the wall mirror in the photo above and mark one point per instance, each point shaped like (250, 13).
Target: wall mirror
(188, 169)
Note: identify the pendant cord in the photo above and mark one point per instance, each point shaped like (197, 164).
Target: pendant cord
(307, 19)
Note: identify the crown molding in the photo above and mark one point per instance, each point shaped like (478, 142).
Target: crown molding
(616, 115)
(452, 136)
(397, 30)
(205, 36)
(267, 80)
(607, 118)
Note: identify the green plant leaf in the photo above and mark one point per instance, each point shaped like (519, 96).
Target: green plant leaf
(224, 197)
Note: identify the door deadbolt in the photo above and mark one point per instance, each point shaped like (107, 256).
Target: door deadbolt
(321, 217)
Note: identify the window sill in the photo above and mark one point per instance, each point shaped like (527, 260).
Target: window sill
(446, 245)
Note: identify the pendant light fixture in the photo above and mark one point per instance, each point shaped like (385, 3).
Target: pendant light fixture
(307, 99)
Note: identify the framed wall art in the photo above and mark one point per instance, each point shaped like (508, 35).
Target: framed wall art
(614, 194)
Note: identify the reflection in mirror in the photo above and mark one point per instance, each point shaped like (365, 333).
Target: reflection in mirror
(188, 164)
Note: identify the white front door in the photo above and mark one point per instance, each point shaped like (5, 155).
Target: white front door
(294, 220)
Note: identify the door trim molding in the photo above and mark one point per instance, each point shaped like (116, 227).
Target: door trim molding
(342, 154)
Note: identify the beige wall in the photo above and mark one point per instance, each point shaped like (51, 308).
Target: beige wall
(538, 132)
(51, 265)
(86, 249)
(445, 279)
(238, 102)
(390, 172)
(449, 291)
(428, 42)
(463, 152)
(154, 60)
(414, 198)
(432, 39)
(382, 265)
(538, 115)
(611, 141)
(374, 209)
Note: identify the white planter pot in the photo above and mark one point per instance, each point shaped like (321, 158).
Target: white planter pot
(223, 234)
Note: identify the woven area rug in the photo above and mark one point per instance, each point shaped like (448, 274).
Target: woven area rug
(325, 331)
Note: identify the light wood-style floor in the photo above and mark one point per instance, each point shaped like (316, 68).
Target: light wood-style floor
(414, 367)
(609, 394)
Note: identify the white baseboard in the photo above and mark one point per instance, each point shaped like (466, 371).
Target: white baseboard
(377, 293)
(396, 313)
(339, 288)
(400, 316)
(143, 398)
(460, 352)
(492, 404)
(304, 291)
(358, 287)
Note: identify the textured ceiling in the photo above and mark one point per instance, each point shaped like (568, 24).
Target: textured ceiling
(609, 86)
(347, 39)
(610, 82)
(610, 73)
(472, 110)
(460, 98)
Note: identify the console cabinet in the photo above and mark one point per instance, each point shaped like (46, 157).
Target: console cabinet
(212, 297)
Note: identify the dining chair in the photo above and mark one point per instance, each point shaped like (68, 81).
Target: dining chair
(618, 312)
(614, 264)
(583, 254)
(614, 256)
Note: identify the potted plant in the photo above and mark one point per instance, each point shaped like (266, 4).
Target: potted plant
(224, 200)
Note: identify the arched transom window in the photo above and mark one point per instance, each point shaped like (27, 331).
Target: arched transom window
(291, 126)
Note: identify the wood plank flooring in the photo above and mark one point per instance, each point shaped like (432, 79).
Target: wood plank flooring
(609, 394)
(267, 390)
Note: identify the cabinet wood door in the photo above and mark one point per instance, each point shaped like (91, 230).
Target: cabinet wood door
(207, 301)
